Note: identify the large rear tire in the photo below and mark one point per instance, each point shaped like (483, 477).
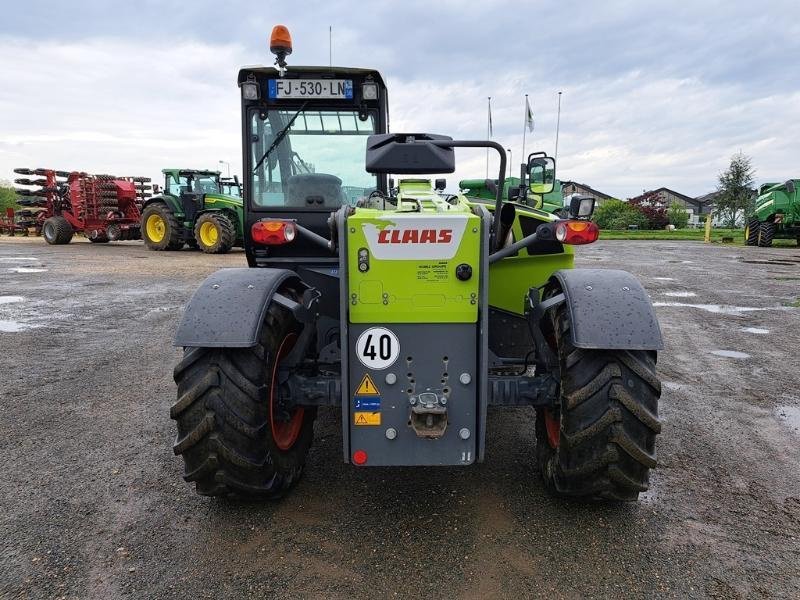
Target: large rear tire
(599, 442)
(231, 434)
(160, 228)
(766, 234)
(57, 230)
(214, 233)
(751, 232)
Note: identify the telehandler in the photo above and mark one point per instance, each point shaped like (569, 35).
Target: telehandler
(412, 311)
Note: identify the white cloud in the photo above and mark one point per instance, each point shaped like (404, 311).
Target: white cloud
(118, 106)
(652, 95)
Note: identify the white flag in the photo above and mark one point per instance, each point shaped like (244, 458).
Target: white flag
(528, 115)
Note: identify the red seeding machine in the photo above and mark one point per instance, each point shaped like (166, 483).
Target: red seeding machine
(104, 208)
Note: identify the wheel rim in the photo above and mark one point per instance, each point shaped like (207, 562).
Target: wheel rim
(156, 228)
(747, 233)
(209, 234)
(49, 232)
(284, 433)
(553, 426)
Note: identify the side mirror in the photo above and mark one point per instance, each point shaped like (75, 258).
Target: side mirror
(581, 207)
(440, 184)
(542, 174)
(155, 188)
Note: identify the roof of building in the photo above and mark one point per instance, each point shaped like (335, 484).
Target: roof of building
(589, 189)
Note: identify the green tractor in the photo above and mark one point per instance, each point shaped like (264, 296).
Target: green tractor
(514, 190)
(777, 214)
(412, 312)
(198, 208)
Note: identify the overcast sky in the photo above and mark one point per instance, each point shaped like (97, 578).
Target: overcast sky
(654, 93)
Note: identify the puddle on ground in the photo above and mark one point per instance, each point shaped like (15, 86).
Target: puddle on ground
(680, 294)
(12, 326)
(721, 309)
(10, 299)
(730, 354)
(664, 278)
(671, 385)
(18, 259)
(755, 330)
(26, 270)
(790, 415)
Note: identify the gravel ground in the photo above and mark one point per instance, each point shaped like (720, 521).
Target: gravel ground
(92, 504)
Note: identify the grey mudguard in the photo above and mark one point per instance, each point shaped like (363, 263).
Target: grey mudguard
(228, 309)
(609, 309)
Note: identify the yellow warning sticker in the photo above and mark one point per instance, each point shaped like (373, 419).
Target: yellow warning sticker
(367, 418)
(367, 387)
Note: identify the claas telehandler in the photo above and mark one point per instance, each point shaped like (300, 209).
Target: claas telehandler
(412, 311)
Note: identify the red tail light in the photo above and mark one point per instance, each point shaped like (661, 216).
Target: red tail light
(577, 232)
(273, 232)
(359, 457)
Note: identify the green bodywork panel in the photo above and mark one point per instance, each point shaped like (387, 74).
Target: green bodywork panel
(510, 278)
(777, 199)
(550, 202)
(412, 251)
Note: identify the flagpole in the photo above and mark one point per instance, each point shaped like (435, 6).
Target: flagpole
(330, 45)
(488, 131)
(524, 126)
(558, 124)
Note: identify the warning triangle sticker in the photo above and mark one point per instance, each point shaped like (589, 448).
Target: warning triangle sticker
(367, 387)
(361, 419)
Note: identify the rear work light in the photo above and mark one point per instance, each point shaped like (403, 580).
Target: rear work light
(273, 232)
(577, 232)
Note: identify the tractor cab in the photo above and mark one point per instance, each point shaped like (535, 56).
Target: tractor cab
(190, 187)
(231, 186)
(305, 138)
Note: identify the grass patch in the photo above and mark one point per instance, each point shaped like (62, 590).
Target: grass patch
(795, 304)
(684, 235)
(697, 235)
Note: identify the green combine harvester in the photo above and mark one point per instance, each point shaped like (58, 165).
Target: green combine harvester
(411, 312)
(777, 214)
(198, 208)
(486, 189)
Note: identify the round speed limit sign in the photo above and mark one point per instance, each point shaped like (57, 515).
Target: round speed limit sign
(377, 348)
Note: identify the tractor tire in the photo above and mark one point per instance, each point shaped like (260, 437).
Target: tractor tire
(214, 233)
(751, 232)
(229, 439)
(57, 231)
(160, 229)
(766, 234)
(599, 442)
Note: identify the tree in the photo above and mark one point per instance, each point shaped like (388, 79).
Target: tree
(8, 197)
(654, 207)
(616, 214)
(677, 215)
(735, 187)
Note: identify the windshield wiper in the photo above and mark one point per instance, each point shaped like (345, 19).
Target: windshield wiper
(279, 138)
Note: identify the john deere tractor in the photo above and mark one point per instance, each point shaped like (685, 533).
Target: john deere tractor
(194, 209)
(777, 214)
(514, 189)
(412, 312)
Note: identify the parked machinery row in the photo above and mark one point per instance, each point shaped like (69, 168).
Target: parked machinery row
(101, 207)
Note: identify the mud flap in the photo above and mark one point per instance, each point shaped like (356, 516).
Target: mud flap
(609, 309)
(228, 309)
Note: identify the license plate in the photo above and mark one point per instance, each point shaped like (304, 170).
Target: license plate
(311, 88)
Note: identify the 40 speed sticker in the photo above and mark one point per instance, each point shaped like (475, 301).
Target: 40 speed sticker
(377, 348)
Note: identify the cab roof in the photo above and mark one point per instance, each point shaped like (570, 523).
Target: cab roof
(262, 71)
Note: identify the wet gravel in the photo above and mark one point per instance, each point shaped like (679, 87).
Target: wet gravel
(92, 504)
